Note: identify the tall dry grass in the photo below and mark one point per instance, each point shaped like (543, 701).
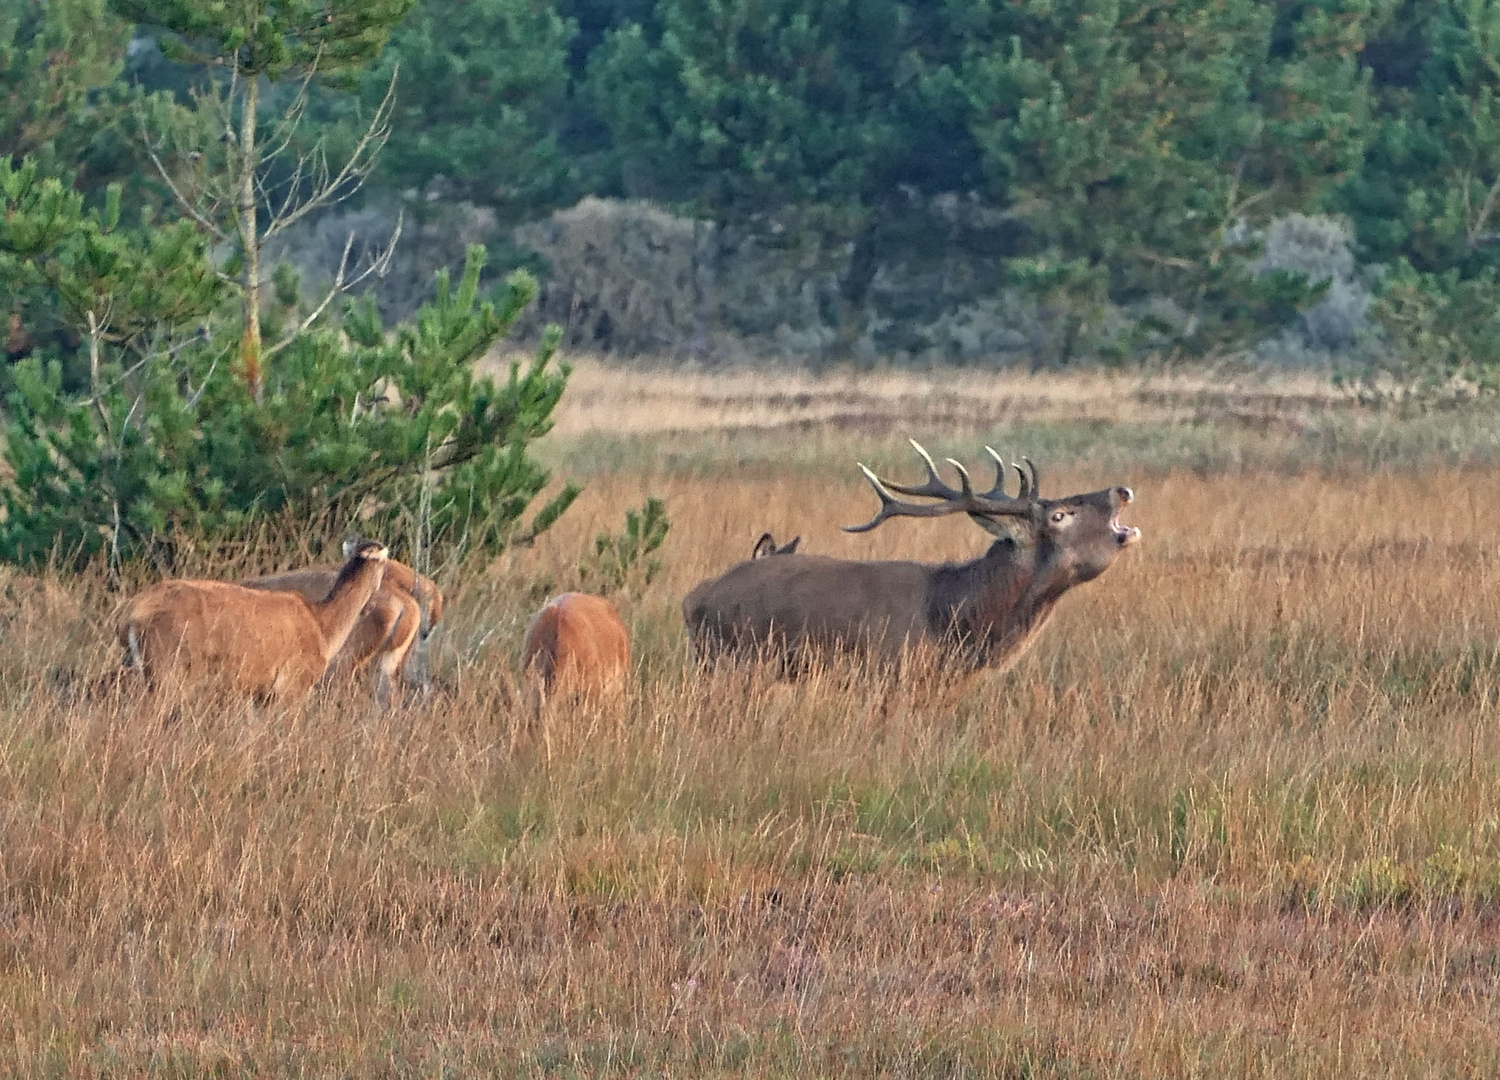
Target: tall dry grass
(1235, 814)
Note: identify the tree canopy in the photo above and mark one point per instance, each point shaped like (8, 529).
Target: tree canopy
(1117, 160)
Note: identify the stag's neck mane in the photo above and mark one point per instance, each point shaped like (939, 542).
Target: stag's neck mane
(992, 605)
(337, 613)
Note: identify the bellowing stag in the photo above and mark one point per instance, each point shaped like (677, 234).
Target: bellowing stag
(976, 614)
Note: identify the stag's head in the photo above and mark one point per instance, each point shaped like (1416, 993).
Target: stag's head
(1071, 540)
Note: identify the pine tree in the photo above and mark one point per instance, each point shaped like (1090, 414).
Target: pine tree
(482, 82)
(167, 445)
(770, 116)
(1427, 200)
(1141, 142)
(1429, 191)
(61, 103)
(177, 435)
(89, 466)
(59, 65)
(212, 155)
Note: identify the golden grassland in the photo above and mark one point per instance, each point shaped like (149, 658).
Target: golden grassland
(707, 424)
(1234, 814)
(650, 400)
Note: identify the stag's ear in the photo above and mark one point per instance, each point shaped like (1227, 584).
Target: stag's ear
(1016, 530)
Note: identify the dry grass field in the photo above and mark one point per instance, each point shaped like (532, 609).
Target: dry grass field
(1236, 813)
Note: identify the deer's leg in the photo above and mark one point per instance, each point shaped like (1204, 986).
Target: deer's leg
(397, 644)
(290, 684)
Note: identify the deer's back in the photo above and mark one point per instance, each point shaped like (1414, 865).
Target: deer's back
(313, 582)
(264, 643)
(812, 599)
(371, 632)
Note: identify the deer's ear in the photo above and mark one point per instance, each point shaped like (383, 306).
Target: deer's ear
(1016, 530)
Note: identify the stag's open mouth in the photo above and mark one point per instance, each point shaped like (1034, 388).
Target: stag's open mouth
(1124, 534)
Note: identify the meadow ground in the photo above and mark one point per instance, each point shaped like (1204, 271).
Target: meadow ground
(1237, 812)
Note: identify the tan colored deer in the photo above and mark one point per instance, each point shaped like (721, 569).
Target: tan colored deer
(401, 613)
(269, 645)
(576, 644)
(974, 614)
(766, 545)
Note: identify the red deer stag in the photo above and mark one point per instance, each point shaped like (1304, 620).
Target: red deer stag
(401, 613)
(766, 545)
(576, 644)
(270, 645)
(979, 613)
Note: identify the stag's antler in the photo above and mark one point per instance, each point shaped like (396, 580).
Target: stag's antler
(993, 502)
(1030, 489)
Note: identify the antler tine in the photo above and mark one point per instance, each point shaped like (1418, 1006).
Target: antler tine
(998, 491)
(934, 488)
(922, 450)
(877, 484)
(1026, 492)
(963, 477)
(891, 507)
(1036, 480)
(886, 502)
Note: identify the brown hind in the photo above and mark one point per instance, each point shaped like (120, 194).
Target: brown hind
(269, 645)
(400, 614)
(767, 546)
(576, 644)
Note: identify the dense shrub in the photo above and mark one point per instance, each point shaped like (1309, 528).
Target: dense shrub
(433, 236)
(624, 277)
(629, 278)
(1321, 248)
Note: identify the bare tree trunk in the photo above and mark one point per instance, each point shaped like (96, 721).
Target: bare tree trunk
(226, 206)
(250, 238)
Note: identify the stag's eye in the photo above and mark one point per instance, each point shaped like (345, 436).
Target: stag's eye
(1059, 516)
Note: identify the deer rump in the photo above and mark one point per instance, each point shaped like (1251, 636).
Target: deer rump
(259, 644)
(576, 643)
(388, 626)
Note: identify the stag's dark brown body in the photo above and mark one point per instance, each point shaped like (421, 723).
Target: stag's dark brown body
(976, 613)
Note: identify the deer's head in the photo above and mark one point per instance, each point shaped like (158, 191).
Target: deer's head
(1070, 540)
